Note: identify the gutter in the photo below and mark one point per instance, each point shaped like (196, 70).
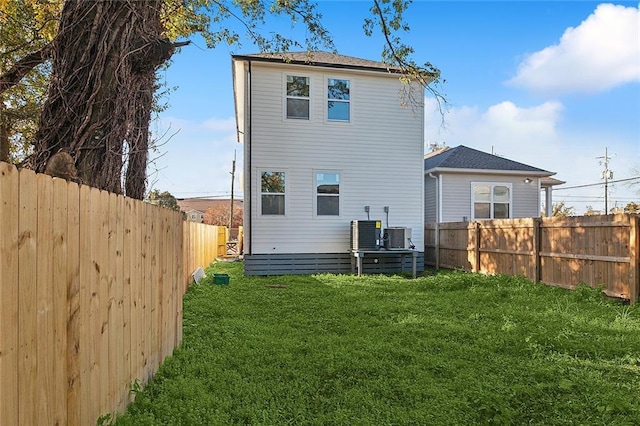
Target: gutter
(538, 173)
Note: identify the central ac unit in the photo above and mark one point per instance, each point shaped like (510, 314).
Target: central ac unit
(365, 234)
(397, 238)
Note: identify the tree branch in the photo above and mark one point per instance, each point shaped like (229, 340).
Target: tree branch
(23, 66)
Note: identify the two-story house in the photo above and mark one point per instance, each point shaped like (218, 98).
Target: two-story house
(327, 139)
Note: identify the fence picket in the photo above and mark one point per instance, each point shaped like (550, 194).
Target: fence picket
(27, 296)
(85, 349)
(9, 349)
(74, 325)
(58, 303)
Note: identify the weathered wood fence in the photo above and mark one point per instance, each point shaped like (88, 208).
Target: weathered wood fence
(594, 250)
(91, 287)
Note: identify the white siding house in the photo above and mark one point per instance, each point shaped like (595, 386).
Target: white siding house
(324, 136)
(463, 184)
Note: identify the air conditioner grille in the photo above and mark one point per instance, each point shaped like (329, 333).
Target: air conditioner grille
(365, 234)
(397, 238)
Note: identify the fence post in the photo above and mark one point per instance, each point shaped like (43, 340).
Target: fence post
(536, 249)
(476, 254)
(634, 248)
(437, 245)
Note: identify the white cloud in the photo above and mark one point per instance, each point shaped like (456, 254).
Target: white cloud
(503, 125)
(532, 136)
(210, 125)
(220, 125)
(601, 53)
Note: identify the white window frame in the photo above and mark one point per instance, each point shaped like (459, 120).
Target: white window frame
(326, 99)
(286, 97)
(491, 202)
(315, 193)
(260, 193)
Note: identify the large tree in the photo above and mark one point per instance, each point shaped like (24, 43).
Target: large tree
(105, 54)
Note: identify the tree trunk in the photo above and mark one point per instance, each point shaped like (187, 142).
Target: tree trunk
(4, 133)
(101, 93)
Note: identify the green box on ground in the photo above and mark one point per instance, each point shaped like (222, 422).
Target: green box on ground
(221, 279)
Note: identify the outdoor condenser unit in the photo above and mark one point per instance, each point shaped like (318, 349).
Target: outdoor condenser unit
(397, 238)
(365, 234)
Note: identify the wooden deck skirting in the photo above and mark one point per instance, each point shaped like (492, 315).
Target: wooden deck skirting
(596, 250)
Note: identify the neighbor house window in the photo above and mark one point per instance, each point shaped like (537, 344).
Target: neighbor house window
(491, 200)
(297, 97)
(338, 98)
(272, 192)
(328, 194)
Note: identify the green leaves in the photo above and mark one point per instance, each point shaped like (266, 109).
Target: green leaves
(163, 199)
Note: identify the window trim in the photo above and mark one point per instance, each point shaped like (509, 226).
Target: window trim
(286, 97)
(315, 193)
(260, 193)
(491, 202)
(327, 100)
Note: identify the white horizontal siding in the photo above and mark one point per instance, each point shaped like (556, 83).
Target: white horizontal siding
(430, 199)
(456, 195)
(379, 155)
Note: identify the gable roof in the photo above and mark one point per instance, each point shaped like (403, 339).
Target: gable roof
(465, 158)
(320, 58)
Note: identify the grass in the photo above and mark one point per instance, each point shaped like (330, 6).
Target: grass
(449, 349)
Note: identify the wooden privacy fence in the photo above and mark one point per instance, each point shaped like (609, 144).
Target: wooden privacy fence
(91, 287)
(202, 244)
(595, 250)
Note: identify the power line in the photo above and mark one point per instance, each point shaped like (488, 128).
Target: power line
(596, 184)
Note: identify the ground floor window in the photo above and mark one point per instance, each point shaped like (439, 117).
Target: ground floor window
(491, 200)
(273, 192)
(327, 189)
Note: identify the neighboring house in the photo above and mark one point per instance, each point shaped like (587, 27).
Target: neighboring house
(462, 184)
(324, 136)
(196, 209)
(194, 216)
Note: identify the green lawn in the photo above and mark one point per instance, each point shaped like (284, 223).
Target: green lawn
(448, 349)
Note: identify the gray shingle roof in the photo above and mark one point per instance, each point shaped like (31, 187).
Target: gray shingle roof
(319, 58)
(462, 157)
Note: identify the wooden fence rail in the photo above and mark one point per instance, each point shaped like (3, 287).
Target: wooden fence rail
(91, 287)
(595, 250)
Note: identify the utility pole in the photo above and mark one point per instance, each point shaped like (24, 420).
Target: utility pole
(606, 175)
(233, 172)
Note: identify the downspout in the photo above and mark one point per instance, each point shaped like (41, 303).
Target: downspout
(437, 239)
(249, 163)
(548, 200)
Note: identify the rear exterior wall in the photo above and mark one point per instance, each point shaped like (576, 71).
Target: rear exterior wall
(379, 155)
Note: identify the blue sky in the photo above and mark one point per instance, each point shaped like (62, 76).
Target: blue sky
(549, 84)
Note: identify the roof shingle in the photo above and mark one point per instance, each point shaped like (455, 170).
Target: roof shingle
(462, 157)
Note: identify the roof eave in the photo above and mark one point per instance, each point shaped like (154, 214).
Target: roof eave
(541, 173)
(277, 60)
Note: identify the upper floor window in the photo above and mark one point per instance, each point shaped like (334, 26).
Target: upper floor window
(328, 194)
(491, 200)
(297, 97)
(338, 98)
(272, 191)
